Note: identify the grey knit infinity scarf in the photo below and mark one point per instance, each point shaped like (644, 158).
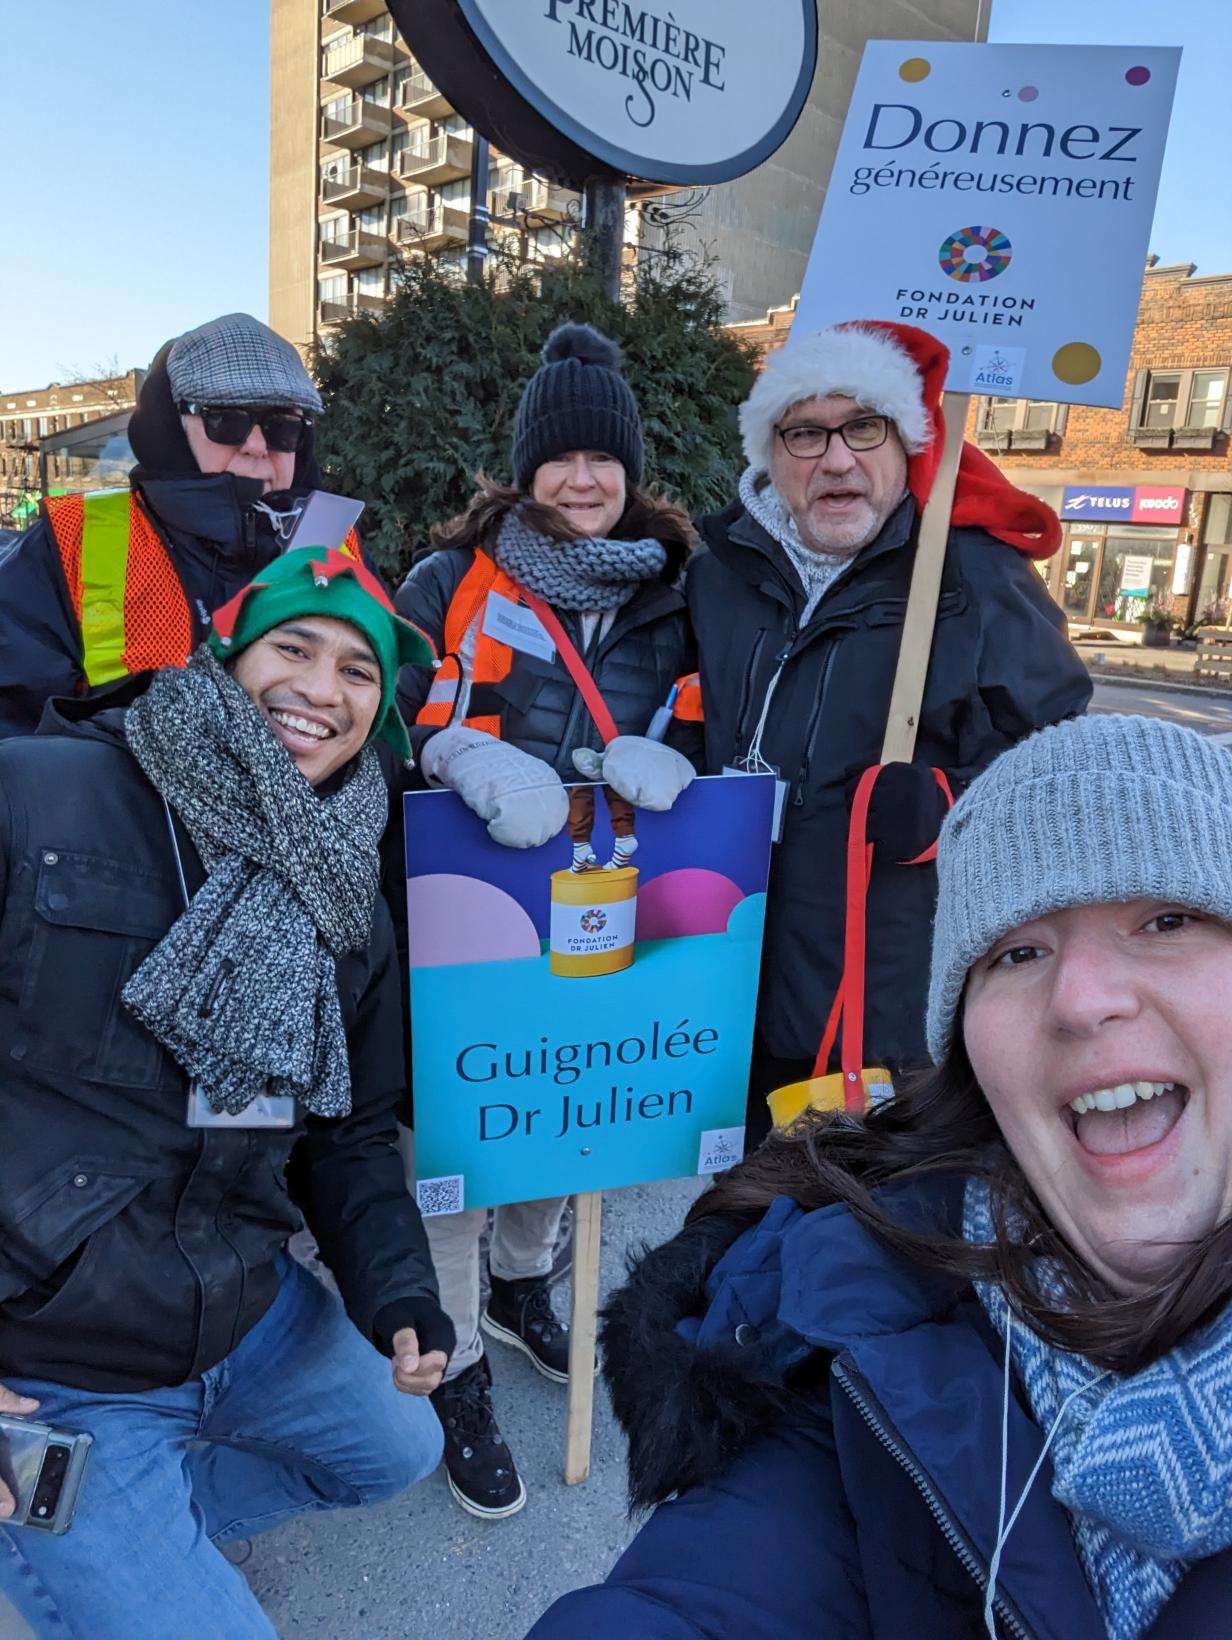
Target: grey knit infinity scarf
(243, 990)
(593, 573)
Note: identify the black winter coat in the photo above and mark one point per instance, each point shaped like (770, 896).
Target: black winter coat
(1001, 667)
(136, 1251)
(216, 544)
(830, 1421)
(635, 663)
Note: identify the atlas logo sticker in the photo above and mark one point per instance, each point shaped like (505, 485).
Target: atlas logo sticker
(998, 370)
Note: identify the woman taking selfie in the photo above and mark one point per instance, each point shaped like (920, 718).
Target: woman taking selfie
(965, 1366)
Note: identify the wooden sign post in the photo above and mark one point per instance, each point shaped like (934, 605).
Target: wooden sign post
(903, 723)
(583, 1317)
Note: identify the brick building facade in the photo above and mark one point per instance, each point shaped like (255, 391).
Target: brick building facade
(1144, 492)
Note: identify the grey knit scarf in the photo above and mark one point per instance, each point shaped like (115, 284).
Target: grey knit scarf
(592, 573)
(243, 990)
(817, 570)
(1142, 1464)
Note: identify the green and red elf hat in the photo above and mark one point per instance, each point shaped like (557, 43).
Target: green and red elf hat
(324, 581)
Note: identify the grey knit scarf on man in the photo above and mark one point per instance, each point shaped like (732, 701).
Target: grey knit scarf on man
(242, 990)
(592, 573)
(817, 570)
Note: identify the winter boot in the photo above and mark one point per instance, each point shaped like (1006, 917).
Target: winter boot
(520, 1313)
(478, 1464)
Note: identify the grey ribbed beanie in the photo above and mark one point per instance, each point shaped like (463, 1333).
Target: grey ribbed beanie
(1087, 812)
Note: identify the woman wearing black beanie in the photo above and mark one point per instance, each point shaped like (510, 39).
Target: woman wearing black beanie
(573, 544)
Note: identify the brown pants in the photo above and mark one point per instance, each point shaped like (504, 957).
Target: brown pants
(581, 821)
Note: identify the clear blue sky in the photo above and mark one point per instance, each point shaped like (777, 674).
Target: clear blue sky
(137, 183)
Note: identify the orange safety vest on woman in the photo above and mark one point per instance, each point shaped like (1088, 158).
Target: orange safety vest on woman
(129, 602)
(471, 655)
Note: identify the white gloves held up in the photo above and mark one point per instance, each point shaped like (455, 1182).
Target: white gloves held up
(644, 772)
(523, 800)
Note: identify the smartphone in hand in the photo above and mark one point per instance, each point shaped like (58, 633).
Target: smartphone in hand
(43, 1468)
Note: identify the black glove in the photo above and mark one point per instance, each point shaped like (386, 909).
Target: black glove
(433, 1328)
(905, 811)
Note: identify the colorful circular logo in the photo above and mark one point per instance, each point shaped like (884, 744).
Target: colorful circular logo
(594, 921)
(972, 255)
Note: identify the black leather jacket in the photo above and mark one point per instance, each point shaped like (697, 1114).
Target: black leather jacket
(135, 1251)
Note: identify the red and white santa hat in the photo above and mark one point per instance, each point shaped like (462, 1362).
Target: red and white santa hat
(896, 371)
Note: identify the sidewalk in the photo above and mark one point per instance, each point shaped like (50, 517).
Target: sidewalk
(1113, 661)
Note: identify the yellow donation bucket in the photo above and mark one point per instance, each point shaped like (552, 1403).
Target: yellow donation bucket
(826, 1093)
(594, 919)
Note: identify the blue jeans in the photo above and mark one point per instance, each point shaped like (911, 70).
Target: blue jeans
(302, 1415)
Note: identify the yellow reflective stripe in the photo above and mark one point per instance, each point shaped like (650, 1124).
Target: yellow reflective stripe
(104, 576)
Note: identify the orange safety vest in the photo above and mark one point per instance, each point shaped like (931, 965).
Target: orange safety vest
(129, 602)
(491, 661)
(467, 648)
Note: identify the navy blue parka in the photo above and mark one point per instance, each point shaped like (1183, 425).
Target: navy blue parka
(824, 1422)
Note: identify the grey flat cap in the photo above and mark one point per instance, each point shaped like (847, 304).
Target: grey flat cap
(238, 360)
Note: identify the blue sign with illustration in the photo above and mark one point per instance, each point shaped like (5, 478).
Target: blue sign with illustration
(1098, 501)
(576, 1031)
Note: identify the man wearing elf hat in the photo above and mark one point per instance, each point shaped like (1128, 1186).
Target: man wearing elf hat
(200, 1010)
(798, 605)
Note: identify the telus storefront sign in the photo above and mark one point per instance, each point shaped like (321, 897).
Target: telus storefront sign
(1123, 503)
(691, 91)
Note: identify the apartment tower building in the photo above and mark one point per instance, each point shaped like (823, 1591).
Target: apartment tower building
(368, 160)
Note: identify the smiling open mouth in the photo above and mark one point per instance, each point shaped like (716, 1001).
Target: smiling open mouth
(1129, 1116)
(301, 725)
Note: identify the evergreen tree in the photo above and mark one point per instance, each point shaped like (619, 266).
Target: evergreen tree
(422, 396)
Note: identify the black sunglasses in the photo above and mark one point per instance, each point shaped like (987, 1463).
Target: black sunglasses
(284, 430)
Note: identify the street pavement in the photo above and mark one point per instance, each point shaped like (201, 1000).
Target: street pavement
(1210, 714)
(420, 1566)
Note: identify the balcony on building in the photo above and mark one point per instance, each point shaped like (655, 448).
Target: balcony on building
(515, 195)
(355, 187)
(420, 96)
(353, 12)
(357, 62)
(444, 158)
(335, 311)
(358, 249)
(433, 227)
(357, 125)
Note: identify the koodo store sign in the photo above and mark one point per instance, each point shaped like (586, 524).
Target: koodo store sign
(670, 91)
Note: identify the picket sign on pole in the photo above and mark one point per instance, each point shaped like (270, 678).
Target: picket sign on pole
(903, 722)
(583, 1319)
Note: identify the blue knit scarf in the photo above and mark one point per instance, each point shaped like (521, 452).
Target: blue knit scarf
(1142, 1465)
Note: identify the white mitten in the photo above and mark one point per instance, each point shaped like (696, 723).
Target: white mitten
(521, 798)
(644, 772)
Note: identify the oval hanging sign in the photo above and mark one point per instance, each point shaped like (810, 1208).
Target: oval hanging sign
(669, 91)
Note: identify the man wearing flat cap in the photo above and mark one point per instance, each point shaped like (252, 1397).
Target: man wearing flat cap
(113, 582)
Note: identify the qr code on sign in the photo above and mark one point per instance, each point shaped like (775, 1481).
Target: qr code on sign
(443, 1195)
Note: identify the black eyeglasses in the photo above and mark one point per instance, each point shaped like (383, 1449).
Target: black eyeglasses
(860, 433)
(284, 430)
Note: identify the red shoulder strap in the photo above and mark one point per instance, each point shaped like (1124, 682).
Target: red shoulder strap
(576, 667)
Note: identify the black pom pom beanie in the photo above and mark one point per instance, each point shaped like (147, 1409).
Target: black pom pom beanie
(577, 400)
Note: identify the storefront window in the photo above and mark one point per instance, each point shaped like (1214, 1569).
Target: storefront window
(1135, 569)
(1079, 570)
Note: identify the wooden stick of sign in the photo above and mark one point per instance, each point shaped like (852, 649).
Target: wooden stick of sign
(903, 723)
(579, 1417)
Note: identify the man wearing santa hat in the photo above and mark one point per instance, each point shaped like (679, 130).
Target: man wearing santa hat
(798, 601)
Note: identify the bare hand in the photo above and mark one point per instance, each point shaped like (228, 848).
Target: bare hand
(21, 1406)
(415, 1374)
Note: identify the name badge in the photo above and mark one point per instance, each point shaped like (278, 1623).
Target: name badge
(265, 1111)
(781, 789)
(517, 626)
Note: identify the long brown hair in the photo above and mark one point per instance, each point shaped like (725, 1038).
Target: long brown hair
(941, 1123)
(646, 517)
